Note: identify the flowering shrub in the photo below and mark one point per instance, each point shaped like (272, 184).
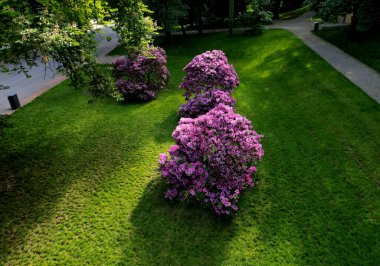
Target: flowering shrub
(202, 103)
(141, 75)
(209, 71)
(213, 159)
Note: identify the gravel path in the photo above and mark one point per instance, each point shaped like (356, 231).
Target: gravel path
(27, 89)
(358, 73)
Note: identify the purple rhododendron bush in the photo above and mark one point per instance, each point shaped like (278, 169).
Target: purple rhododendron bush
(141, 75)
(213, 160)
(202, 103)
(209, 71)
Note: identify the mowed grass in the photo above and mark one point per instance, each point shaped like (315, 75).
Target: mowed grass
(80, 183)
(365, 48)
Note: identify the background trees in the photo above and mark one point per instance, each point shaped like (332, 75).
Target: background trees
(168, 13)
(366, 13)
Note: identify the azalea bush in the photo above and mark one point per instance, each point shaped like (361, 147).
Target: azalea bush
(209, 71)
(202, 103)
(213, 160)
(141, 75)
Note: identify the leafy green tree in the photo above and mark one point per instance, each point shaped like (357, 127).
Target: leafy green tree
(133, 24)
(61, 33)
(366, 13)
(198, 11)
(44, 31)
(168, 13)
(254, 17)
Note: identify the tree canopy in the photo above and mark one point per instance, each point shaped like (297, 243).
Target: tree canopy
(61, 33)
(366, 13)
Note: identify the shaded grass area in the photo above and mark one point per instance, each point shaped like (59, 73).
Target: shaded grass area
(365, 48)
(80, 184)
(295, 13)
(118, 50)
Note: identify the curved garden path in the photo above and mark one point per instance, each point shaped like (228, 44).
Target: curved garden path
(358, 73)
(361, 75)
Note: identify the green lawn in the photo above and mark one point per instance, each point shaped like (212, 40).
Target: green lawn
(79, 182)
(365, 48)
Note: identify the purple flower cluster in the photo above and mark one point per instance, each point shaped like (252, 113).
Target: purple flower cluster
(141, 75)
(213, 159)
(209, 71)
(202, 103)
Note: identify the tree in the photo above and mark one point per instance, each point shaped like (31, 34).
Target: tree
(46, 32)
(366, 13)
(198, 10)
(61, 33)
(254, 17)
(231, 16)
(168, 13)
(133, 24)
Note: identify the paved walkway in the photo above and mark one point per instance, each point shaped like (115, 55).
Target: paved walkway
(27, 89)
(364, 77)
(358, 73)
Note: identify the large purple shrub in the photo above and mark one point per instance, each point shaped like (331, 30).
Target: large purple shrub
(202, 103)
(213, 159)
(209, 71)
(141, 75)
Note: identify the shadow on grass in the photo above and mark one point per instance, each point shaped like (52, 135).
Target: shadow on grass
(168, 233)
(39, 165)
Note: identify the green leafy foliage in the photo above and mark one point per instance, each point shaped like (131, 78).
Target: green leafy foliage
(366, 13)
(57, 34)
(60, 35)
(134, 26)
(255, 16)
(168, 12)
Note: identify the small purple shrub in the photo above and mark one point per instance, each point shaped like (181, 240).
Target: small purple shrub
(209, 71)
(141, 75)
(202, 103)
(213, 159)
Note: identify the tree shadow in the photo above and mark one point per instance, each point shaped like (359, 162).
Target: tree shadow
(166, 126)
(40, 164)
(167, 233)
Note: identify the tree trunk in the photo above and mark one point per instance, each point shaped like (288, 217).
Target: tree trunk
(200, 25)
(376, 26)
(276, 9)
(168, 36)
(181, 22)
(354, 21)
(231, 17)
